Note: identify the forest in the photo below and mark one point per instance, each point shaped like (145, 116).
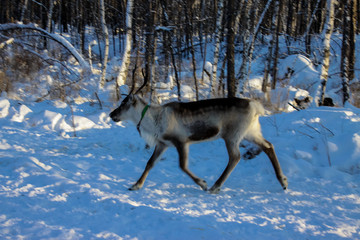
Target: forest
(162, 38)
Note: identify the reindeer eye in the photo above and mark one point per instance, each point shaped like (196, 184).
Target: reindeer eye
(125, 101)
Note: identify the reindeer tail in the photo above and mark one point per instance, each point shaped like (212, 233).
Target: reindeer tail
(257, 107)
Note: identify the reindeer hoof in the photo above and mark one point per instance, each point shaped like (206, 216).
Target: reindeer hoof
(284, 183)
(202, 184)
(214, 190)
(134, 187)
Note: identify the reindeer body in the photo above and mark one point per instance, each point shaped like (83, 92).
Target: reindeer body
(180, 124)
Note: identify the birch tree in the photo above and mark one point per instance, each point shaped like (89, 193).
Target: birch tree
(278, 13)
(249, 43)
(23, 10)
(106, 36)
(49, 15)
(189, 12)
(49, 19)
(269, 58)
(219, 16)
(241, 78)
(121, 78)
(320, 91)
(150, 50)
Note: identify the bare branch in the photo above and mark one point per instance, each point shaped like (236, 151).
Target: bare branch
(55, 37)
(42, 57)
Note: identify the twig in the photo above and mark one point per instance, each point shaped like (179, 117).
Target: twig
(313, 128)
(296, 108)
(327, 149)
(97, 96)
(73, 119)
(308, 135)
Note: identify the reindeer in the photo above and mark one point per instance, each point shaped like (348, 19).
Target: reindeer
(180, 124)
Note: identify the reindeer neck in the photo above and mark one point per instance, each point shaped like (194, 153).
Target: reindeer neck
(145, 115)
(142, 117)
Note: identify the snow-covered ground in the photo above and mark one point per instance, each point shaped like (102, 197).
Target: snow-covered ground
(54, 185)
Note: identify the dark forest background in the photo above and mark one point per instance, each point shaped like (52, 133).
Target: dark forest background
(174, 28)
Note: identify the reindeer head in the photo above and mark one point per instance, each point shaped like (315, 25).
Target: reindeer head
(123, 112)
(126, 109)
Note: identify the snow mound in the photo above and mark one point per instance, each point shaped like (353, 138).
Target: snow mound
(60, 118)
(4, 107)
(300, 71)
(282, 96)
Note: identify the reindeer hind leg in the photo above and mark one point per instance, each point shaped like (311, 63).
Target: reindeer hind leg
(269, 150)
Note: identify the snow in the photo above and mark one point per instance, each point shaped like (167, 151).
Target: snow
(54, 185)
(304, 75)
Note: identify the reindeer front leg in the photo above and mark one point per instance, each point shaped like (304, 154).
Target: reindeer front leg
(183, 150)
(159, 150)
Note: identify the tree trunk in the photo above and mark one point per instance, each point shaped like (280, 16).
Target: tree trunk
(269, 58)
(290, 24)
(201, 30)
(352, 37)
(169, 48)
(219, 16)
(230, 49)
(49, 15)
(23, 10)
(192, 50)
(49, 19)
(323, 15)
(121, 78)
(246, 47)
(279, 4)
(320, 92)
(244, 72)
(204, 61)
(150, 43)
(106, 36)
(357, 16)
(348, 46)
(82, 26)
(176, 74)
(307, 35)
